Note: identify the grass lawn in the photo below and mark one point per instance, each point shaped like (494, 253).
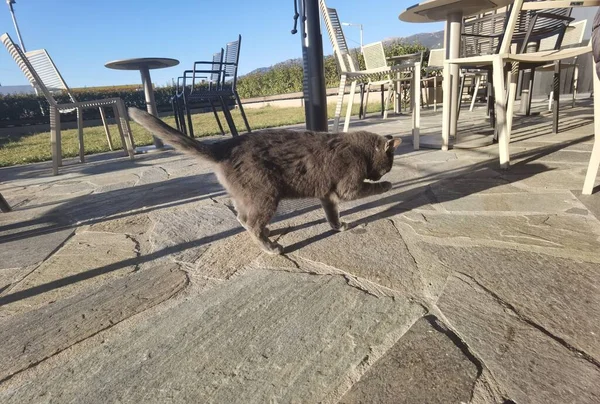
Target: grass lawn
(36, 147)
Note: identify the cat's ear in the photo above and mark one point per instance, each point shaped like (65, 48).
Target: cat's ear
(392, 143)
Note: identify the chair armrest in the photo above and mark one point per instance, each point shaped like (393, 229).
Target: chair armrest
(482, 35)
(543, 5)
(555, 17)
(89, 104)
(179, 79)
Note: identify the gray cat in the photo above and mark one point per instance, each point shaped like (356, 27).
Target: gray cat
(260, 169)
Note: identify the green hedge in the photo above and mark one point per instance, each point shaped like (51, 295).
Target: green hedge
(282, 78)
(27, 108)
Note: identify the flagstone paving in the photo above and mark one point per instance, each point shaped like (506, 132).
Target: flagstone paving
(133, 282)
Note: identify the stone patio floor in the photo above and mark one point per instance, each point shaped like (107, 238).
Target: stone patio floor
(133, 282)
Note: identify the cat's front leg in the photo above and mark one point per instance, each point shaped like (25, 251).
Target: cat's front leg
(365, 189)
(332, 214)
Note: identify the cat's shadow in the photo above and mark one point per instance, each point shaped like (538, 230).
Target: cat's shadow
(479, 178)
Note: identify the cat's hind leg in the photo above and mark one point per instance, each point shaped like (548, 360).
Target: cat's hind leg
(242, 217)
(258, 217)
(330, 206)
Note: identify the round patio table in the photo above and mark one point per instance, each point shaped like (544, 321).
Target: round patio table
(452, 12)
(144, 65)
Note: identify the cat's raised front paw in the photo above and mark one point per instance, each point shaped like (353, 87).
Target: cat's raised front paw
(386, 185)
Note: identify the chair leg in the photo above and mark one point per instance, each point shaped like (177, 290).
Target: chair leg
(80, 134)
(239, 103)
(556, 96)
(500, 112)
(397, 94)
(435, 93)
(460, 96)
(349, 107)
(338, 106)
(117, 112)
(4, 206)
(592, 171)
(575, 83)
(55, 139)
(228, 117)
(416, 113)
(216, 114)
(510, 102)
(188, 114)
(388, 98)
(123, 124)
(106, 130)
(127, 126)
(175, 113)
(550, 100)
(181, 115)
(446, 107)
(530, 94)
(383, 101)
(366, 100)
(361, 107)
(477, 84)
(490, 97)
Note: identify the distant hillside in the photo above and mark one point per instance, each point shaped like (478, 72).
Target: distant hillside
(431, 40)
(8, 90)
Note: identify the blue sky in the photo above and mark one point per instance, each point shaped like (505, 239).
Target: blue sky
(82, 35)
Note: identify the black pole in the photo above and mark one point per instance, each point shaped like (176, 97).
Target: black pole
(315, 100)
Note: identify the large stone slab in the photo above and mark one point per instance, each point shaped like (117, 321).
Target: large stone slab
(223, 258)
(31, 244)
(559, 176)
(375, 252)
(151, 175)
(96, 206)
(592, 202)
(429, 364)
(10, 276)
(531, 365)
(73, 187)
(530, 202)
(131, 224)
(31, 337)
(86, 259)
(185, 232)
(559, 294)
(261, 337)
(570, 235)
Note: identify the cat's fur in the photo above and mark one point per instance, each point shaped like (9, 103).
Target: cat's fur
(260, 169)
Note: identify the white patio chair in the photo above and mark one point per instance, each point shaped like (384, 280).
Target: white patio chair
(435, 63)
(348, 65)
(504, 105)
(43, 75)
(374, 56)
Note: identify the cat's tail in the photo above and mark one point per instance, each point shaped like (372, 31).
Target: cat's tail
(172, 136)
